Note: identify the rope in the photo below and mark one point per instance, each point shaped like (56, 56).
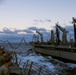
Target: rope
(4, 41)
(16, 46)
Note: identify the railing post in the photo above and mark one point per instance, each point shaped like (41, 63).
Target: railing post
(30, 68)
(25, 66)
(40, 70)
(16, 59)
(19, 62)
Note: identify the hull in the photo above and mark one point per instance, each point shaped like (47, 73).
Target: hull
(60, 52)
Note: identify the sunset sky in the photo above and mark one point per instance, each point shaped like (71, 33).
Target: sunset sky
(20, 18)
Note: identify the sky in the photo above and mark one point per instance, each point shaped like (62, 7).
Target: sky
(21, 18)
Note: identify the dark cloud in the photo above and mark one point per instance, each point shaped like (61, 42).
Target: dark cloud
(42, 21)
(69, 28)
(27, 31)
(16, 37)
(71, 31)
(38, 29)
(41, 29)
(33, 28)
(24, 30)
(38, 21)
(13, 36)
(46, 34)
(34, 23)
(15, 31)
(8, 31)
(48, 20)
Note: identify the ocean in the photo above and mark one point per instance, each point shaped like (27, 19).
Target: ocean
(52, 66)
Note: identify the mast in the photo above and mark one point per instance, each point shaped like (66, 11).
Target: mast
(41, 35)
(52, 37)
(64, 36)
(74, 23)
(57, 36)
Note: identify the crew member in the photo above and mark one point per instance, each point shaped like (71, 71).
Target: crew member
(4, 69)
(2, 58)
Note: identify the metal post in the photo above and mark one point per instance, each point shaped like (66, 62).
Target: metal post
(74, 23)
(40, 70)
(75, 33)
(25, 66)
(16, 59)
(30, 68)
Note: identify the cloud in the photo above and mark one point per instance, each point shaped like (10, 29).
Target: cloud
(24, 30)
(69, 28)
(27, 31)
(8, 31)
(71, 31)
(34, 23)
(41, 29)
(38, 21)
(16, 37)
(42, 21)
(48, 20)
(13, 36)
(33, 28)
(15, 31)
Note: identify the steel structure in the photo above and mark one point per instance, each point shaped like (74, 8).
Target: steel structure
(41, 35)
(64, 36)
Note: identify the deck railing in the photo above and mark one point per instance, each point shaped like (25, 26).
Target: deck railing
(32, 68)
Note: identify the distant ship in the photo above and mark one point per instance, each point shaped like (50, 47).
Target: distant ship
(58, 49)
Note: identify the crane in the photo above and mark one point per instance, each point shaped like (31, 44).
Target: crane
(41, 35)
(52, 36)
(34, 38)
(64, 36)
(57, 36)
(74, 22)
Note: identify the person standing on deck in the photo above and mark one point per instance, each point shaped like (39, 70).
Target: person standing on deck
(1, 52)
(2, 58)
(4, 69)
(1, 49)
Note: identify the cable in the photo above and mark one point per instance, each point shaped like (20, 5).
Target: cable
(16, 46)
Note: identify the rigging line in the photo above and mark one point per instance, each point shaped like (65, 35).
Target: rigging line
(4, 41)
(17, 46)
(24, 41)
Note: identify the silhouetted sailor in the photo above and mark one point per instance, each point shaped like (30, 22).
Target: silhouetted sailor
(4, 69)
